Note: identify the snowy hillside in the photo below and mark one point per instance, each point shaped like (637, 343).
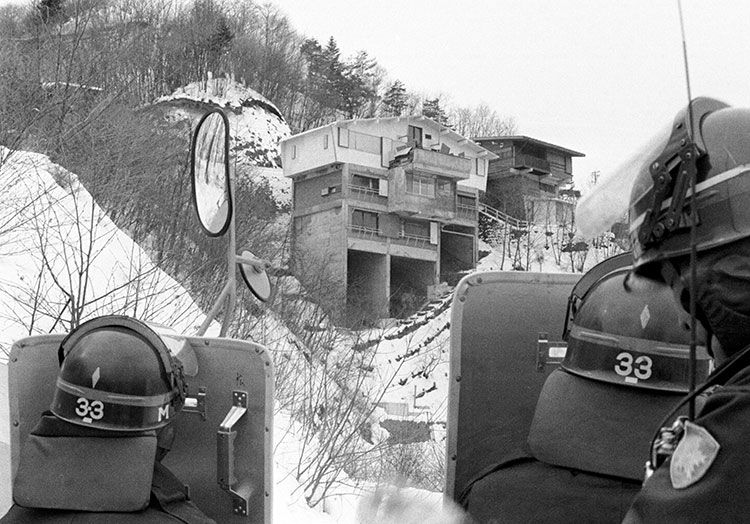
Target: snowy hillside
(256, 127)
(56, 243)
(61, 257)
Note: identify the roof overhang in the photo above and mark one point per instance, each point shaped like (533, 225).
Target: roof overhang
(528, 139)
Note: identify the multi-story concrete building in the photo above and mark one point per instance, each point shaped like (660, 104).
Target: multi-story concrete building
(382, 209)
(525, 179)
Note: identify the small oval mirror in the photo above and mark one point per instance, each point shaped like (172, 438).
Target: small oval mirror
(210, 173)
(256, 279)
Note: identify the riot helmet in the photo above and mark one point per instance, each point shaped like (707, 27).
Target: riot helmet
(712, 140)
(117, 374)
(637, 337)
(625, 366)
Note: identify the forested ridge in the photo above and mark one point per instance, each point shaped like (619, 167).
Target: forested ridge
(138, 50)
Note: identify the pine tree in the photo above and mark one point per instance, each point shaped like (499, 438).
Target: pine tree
(394, 100)
(431, 109)
(51, 11)
(357, 86)
(325, 78)
(221, 39)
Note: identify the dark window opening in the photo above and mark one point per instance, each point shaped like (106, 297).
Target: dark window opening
(414, 136)
(365, 220)
(366, 182)
(416, 229)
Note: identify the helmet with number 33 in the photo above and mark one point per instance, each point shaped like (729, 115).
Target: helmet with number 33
(117, 374)
(625, 366)
(638, 338)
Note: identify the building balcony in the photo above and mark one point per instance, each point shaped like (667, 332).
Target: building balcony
(404, 245)
(412, 205)
(366, 233)
(366, 194)
(437, 163)
(538, 166)
(420, 196)
(414, 241)
(466, 212)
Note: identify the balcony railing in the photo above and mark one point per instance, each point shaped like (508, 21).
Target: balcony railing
(441, 163)
(366, 194)
(368, 233)
(466, 211)
(414, 241)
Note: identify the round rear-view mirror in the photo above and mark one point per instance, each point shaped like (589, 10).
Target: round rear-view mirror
(210, 173)
(255, 278)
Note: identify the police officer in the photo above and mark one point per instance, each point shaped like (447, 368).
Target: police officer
(95, 456)
(702, 467)
(625, 366)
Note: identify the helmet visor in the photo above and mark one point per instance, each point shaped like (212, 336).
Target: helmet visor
(608, 202)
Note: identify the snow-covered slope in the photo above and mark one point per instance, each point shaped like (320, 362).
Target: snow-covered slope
(56, 243)
(256, 126)
(61, 257)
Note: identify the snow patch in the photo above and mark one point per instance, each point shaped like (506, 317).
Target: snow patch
(256, 127)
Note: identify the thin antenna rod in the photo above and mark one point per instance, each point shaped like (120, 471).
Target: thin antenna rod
(687, 71)
(693, 223)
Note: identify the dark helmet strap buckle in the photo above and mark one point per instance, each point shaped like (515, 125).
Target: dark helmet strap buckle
(671, 174)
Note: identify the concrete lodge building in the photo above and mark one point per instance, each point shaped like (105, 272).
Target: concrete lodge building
(384, 209)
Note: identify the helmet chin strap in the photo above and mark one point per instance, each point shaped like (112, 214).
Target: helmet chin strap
(692, 293)
(673, 279)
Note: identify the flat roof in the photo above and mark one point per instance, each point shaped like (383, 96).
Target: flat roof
(473, 145)
(523, 138)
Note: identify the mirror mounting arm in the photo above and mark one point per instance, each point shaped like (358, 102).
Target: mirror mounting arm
(215, 309)
(258, 264)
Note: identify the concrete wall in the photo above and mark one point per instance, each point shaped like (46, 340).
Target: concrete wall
(320, 255)
(307, 192)
(308, 150)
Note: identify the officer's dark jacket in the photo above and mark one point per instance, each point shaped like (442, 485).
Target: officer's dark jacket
(723, 493)
(528, 490)
(147, 491)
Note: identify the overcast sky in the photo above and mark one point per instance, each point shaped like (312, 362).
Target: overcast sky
(596, 76)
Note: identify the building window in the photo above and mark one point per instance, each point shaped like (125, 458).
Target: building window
(325, 141)
(416, 229)
(480, 166)
(468, 201)
(568, 164)
(420, 185)
(414, 136)
(343, 137)
(366, 182)
(443, 188)
(364, 220)
(294, 151)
